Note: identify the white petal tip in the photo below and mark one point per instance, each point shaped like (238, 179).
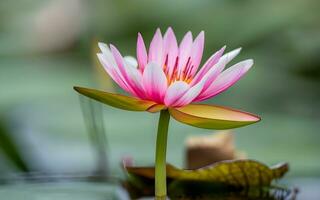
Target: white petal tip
(238, 49)
(201, 35)
(101, 44)
(189, 34)
(250, 61)
(248, 64)
(158, 31)
(103, 47)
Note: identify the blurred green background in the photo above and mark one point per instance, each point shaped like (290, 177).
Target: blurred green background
(48, 46)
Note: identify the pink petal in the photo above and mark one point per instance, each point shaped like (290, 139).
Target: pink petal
(170, 50)
(141, 53)
(134, 74)
(197, 51)
(117, 68)
(226, 79)
(119, 60)
(231, 55)
(155, 50)
(212, 74)
(154, 82)
(107, 53)
(189, 96)
(113, 72)
(123, 70)
(184, 52)
(110, 65)
(135, 78)
(215, 70)
(175, 91)
(208, 65)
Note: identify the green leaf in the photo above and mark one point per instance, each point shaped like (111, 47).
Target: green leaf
(116, 100)
(212, 117)
(237, 173)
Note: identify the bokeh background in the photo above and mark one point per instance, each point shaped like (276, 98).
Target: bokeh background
(48, 46)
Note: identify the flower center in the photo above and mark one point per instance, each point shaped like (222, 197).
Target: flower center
(178, 72)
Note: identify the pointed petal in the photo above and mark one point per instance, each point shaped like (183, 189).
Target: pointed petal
(184, 51)
(212, 117)
(116, 100)
(119, 60)
(226, 79)
(105, 50)
(212, 74)
(123, 70)
(175, 91)
(231, 55)
(220, 64)
(130, 78)
(197, 51)
(154, 82)
(155, 50)
(113, 71)
(141, 53)
(170, 50)
(189, 96)
(107, 54)
(208, 65)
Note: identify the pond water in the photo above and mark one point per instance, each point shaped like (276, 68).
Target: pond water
(309, 189)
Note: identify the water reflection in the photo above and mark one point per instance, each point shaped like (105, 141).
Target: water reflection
(188, 190)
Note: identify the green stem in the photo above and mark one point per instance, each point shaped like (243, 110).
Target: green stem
(161, 148)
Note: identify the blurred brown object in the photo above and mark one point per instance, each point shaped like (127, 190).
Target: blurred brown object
(205, 150)
(57, 25)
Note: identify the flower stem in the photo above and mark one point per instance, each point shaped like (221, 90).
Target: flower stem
(161, 148)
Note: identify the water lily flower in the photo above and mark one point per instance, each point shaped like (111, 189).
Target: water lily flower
(168, 78)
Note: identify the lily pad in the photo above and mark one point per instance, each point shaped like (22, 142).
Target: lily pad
(236, 173)
(233, 179)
